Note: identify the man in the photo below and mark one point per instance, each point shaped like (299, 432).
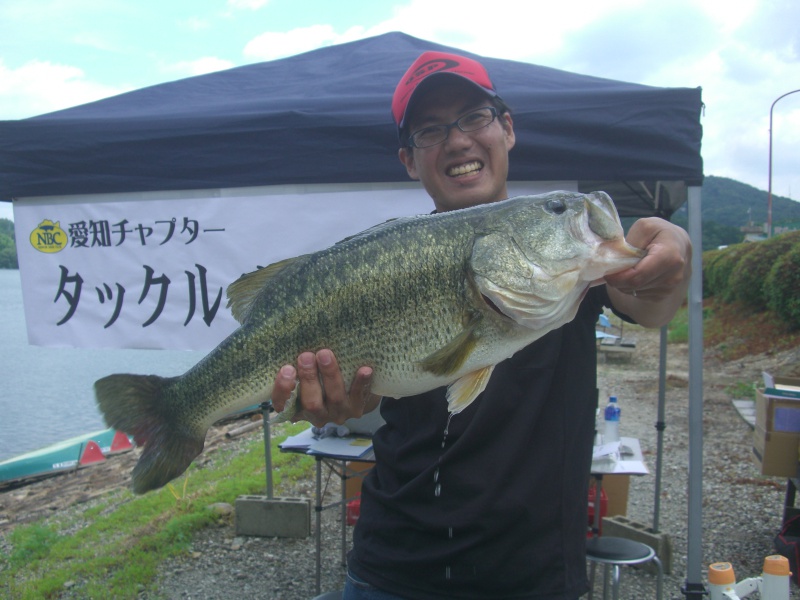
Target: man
(490, 503)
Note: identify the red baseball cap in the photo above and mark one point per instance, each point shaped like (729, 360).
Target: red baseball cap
(436, 63)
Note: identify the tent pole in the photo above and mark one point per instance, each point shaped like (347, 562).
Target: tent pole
(694, 586)
(662, 395)
(660, 424)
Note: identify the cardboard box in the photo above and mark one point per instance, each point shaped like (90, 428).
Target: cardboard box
(777, 413)
(615, 488)
(356, 471)
(787, 383)
(776, 452)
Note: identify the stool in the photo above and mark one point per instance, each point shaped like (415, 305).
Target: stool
(615, 551)
(330, 596)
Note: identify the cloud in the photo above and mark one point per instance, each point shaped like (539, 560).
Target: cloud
(479, 27)
(200, 66)
(272, 45)
(95, 40)
(647, 39)
(247, 4)
(773, 28)
(40, 87)
(743, 55)
(195, 23)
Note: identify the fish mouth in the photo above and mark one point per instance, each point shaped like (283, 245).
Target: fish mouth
(469, 168)
(601, 217)
(603, 222)
(612, 253)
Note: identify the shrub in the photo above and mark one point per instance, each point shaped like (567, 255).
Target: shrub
(747, 279)
(709, 258)
(720, 270)
(782, 285)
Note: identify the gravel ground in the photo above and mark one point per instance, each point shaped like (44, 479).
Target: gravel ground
(742, 509)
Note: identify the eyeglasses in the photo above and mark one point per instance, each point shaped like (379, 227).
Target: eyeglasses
(436, 134)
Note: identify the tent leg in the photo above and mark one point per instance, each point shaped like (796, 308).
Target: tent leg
(660, 425)
(695, 491)
(694, 590)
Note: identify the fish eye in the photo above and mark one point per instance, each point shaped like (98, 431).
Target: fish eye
(557, 207)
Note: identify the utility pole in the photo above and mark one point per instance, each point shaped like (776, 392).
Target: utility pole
(769, 189)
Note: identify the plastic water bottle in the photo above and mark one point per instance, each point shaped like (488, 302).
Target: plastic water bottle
(721, 581)
(611, 416)
(775, 578)
(772, 585)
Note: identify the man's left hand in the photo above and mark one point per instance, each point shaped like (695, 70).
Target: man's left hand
(652, 291)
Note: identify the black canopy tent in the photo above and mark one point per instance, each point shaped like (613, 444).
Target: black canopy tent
(323, 118)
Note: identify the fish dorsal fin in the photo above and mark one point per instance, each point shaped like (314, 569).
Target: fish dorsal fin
(463, 391)
(449, 358)
(372, 230)
(243, 292)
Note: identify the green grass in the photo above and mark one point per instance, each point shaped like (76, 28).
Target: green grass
(124, 538)
(678, 328)
(742, 390)
(726, 331)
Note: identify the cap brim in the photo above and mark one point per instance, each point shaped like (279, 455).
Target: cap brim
(431, 80)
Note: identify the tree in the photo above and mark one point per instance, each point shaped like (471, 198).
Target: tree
(8, 247)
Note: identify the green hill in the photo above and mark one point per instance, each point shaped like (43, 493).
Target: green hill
(730, 202)
(727, 205)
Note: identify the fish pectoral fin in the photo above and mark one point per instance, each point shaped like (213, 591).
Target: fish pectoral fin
(463, 391)
(243, 292)
(449, 358)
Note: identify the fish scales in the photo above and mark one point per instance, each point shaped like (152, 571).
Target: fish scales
(425, 301)
(355, 307)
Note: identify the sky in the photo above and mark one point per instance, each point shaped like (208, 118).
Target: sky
(745, 54)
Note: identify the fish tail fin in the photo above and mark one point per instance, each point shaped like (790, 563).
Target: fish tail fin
(134, 405)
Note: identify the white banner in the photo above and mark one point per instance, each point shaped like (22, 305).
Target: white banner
(150, 270)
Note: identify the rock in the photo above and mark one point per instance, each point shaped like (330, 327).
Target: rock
(221, 508)
(237, 543)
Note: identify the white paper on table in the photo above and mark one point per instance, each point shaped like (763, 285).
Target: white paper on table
(624, 456)
(351, 447)
(610, 449)
(301, 440)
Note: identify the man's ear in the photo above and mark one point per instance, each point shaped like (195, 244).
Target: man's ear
(406, 156)
(508, 128)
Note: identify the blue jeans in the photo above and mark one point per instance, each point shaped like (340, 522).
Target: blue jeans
(356, 588)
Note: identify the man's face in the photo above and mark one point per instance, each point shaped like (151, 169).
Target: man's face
(466, 169)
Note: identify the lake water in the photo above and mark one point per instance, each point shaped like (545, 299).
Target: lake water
(46, 394)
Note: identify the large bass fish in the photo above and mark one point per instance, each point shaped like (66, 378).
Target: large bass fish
(426, 301)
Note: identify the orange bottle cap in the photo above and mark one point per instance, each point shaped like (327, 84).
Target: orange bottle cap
(777, 565)
(721, 573)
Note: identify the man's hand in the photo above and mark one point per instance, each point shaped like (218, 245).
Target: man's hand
(652, 291)
(322, 394)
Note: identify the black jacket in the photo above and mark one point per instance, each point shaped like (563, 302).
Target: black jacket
(491, 503)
